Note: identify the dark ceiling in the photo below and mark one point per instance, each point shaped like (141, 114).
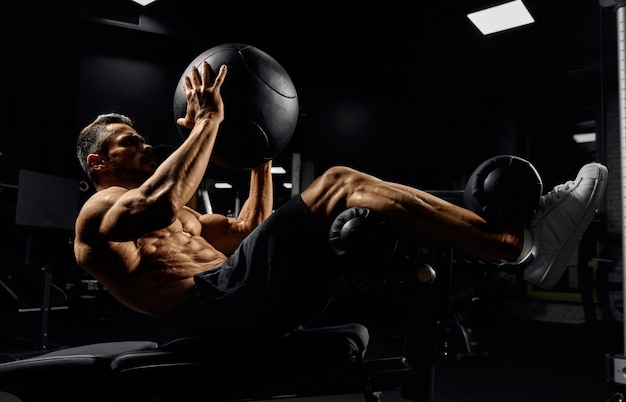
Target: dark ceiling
(436, 86)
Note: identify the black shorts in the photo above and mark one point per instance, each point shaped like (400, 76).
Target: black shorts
(281, 277)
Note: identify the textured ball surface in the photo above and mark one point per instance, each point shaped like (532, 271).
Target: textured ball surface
(260, 105)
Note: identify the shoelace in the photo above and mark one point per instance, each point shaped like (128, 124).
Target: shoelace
(553, 195)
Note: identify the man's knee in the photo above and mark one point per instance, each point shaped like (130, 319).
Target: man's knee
(339, 174)
(339, 181)
(329, 191)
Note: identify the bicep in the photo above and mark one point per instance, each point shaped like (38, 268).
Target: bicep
(127, 215)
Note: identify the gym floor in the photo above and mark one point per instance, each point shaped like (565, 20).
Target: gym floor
(519, 360)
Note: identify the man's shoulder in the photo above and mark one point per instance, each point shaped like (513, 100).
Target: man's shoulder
(97, 205)
(110, 192)
(104, 198)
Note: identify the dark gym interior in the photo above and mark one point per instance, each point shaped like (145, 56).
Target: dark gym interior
(410, 92)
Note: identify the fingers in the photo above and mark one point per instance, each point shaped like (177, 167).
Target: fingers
(202, 96)
(195, 79)
(220, 77)
(187, 84)
(205, 73)
(195, 76)
(181, 121)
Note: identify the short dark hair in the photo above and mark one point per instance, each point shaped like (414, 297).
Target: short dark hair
(92, 137)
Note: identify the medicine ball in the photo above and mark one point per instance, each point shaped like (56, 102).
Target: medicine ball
(504, 189)
(260, 105)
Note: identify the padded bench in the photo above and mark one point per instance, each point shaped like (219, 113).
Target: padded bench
(312, 361)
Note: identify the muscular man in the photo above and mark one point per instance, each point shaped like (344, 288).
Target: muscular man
(262, 273)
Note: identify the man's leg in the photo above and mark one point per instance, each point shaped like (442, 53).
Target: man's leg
(552, 236)
(416, 213)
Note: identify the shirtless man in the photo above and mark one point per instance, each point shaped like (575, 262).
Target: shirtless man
(262, 273)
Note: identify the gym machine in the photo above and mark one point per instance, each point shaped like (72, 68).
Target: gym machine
(44, 202)
(616, 364)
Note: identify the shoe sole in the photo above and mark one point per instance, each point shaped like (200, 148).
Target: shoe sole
(552, 276)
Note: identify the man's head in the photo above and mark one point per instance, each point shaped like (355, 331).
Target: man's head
(110, 146)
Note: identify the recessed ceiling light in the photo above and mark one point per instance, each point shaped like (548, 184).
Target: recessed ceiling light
(144, 2)
(584, 137)
(502, 17)
(278, 170)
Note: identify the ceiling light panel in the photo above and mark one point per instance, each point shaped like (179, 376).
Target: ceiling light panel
(144, 2)
(502, 17)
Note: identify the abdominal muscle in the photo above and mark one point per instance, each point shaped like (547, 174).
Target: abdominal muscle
(162, 279)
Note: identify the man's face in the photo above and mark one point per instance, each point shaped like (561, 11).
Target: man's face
(128, 154)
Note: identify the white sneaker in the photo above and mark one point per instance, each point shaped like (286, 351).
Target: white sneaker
(560, 221)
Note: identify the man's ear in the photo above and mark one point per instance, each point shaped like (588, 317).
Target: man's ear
(96, 161)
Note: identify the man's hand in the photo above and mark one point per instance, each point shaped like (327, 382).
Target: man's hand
(203, 98)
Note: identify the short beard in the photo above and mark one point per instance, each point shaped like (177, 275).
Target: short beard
(134, 175)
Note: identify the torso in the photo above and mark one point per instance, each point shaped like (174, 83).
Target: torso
(154, 274)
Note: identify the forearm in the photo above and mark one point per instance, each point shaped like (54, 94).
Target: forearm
(176, 180)
(226, 234)
(260, 202)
